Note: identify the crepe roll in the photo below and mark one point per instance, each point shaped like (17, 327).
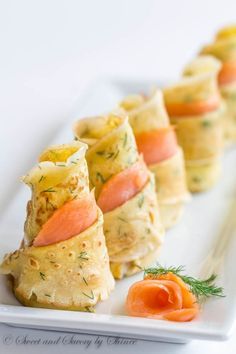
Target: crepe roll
(63, 262)
(125, 192)
(156, 140)
(224, 49)
(196, 109)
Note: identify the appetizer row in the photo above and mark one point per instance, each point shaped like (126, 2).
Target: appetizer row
(87, 219)
(100, 204)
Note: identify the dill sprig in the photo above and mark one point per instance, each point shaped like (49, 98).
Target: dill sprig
(41, 178)
(122, 219)
(115, 155)
(106, 154)
(42, 275)
(141, 201)
(85, 281)
(201, 288)
(90, 296)
(83, 255)
(49, 190)
(100, 177)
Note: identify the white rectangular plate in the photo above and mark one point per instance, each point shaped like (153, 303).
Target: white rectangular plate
(200, 241)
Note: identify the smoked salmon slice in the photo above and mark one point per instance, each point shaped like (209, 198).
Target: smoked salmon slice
(166, 297)
(227, 74)
(184, 315)
(123, 186)
(69, 220)
(188, 298)
(179, 109)
(157, 145)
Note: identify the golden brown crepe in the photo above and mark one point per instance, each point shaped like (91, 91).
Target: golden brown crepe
(147, 114)
(203, 64)
(73, 274)
(171, 187)
(200, 135)
(229, 94)
(224, 49)
(133, 230)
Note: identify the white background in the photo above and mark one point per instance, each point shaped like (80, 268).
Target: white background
(52, 50)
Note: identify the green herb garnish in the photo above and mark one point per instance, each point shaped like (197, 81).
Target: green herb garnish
(89, 296)
(188, 98)
(83, 255)
(41, 178)
(42, 275)
(201, 288)
(100, 153)
(206, 123)
(50, 203)
(49, 190)
(100, 176)
(122, 219)
(196, 179)
(85, 281)
(108, 155)
(141, 201)
(116, 154)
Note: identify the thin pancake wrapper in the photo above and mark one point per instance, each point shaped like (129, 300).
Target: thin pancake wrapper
(207, 63)
(200, 135)
(148, 114)
(73, 274)
(229, 94)
(133, 230)
(170, 178)
(224, 48)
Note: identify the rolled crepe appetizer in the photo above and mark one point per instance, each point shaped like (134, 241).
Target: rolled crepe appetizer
(226, 32)
(156, 140)
(224, 49)
(125, 192)
(63, 262)
(196, 109)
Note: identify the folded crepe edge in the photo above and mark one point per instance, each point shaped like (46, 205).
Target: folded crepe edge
(99, 295)
(154, 241)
